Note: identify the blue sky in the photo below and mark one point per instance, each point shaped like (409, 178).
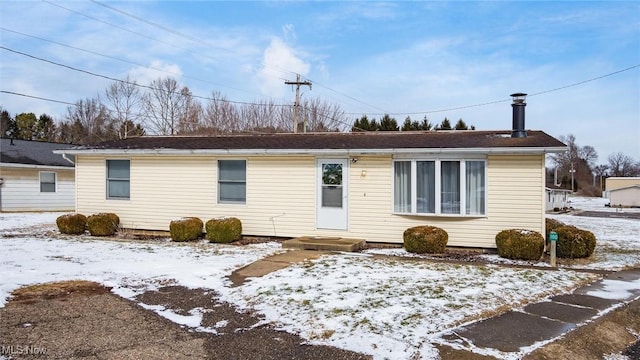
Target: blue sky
(402, 58)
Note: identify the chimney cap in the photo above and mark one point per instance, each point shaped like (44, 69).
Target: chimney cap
(518, 97)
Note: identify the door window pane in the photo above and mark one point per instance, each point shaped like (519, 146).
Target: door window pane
(332, 185)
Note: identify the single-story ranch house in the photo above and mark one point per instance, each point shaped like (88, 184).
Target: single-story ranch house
(623, 191)
(371, 185)
(33, 178)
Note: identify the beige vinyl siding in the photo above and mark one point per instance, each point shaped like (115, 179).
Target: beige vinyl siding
(280, 192)
(515, 199)
(281, 197)
(621, 182)
(21, 190)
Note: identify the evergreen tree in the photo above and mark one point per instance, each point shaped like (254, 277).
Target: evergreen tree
(444, 125)
(461, 125)
(387, 123)
(7, 124)
(425, 125)
(45, 128)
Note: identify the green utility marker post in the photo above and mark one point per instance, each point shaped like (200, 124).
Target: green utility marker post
(553, 240)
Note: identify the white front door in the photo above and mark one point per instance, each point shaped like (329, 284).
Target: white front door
(332, 192)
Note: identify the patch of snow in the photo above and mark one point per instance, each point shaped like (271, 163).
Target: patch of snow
(616, 289)
(10, 221)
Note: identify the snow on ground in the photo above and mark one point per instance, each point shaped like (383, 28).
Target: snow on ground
(387, 307)
(596, 204)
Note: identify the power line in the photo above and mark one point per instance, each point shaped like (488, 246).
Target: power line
(191, 38)
(505, 100)
(36, 97)
(178, 33)
(121, 60)
(132, 83)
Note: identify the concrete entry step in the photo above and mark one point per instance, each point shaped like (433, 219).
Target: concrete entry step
(325, 243)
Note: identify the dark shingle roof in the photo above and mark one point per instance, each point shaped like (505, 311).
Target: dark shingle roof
(337, 141)
(32, 153)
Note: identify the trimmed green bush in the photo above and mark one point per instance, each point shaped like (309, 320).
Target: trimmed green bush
(425, 239)
(520, 244)
(574, 243)
(551, 225)
(185, 229)
(224, 230)
(73, 224)
(103, 224)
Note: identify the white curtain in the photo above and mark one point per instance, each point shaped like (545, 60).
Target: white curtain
(450, 187)
(402, 186)
(426, 186)
(475, 188)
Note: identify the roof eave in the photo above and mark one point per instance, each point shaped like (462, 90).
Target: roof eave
(380, 151)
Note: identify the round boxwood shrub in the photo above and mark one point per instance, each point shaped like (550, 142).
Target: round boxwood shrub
(551, 225)
(224, 230)
(520, 244)
(185, 229)
(425, 239)
(103, 224)
(574, 242)
(73, 223)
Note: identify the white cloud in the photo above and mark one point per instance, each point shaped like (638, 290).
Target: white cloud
(280, 62)
(157, 69)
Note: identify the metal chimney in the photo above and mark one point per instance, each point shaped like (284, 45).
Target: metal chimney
(518, 105)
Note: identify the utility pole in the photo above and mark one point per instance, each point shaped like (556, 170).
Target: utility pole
(296, 107)
(572, 171)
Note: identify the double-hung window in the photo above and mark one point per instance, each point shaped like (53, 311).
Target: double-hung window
(232, 181)
(118, 179)
(439, 187)
(47, 182)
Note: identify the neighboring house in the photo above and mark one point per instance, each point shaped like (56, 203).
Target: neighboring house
(557, 198)
(623, 191)
(33, 178)
(371, 185)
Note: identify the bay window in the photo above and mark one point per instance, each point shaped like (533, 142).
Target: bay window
(439, 187)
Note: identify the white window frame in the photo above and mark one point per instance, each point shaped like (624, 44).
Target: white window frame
(219, 181)
(108, 179)
(55, 181)
(438, 186)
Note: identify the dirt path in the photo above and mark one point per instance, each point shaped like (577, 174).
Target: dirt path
(92, 323)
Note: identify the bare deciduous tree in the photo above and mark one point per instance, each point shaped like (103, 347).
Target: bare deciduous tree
(623, 165)
(165, 105)
(124, 102)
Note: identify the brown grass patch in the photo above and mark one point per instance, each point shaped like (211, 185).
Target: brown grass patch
(52, 290)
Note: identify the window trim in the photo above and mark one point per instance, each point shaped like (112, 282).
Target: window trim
(218, 182)
(108, 179)
(55, 181)
(438, 186)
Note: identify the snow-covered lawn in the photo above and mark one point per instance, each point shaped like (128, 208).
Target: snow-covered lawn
(384, 306)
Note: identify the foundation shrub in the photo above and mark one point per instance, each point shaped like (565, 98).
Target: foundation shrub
(74, 223)
(574, 243)
(185, 229)
(551, 225)
(425, 239)
(224, 230)
(103, 224)
(520, 244)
